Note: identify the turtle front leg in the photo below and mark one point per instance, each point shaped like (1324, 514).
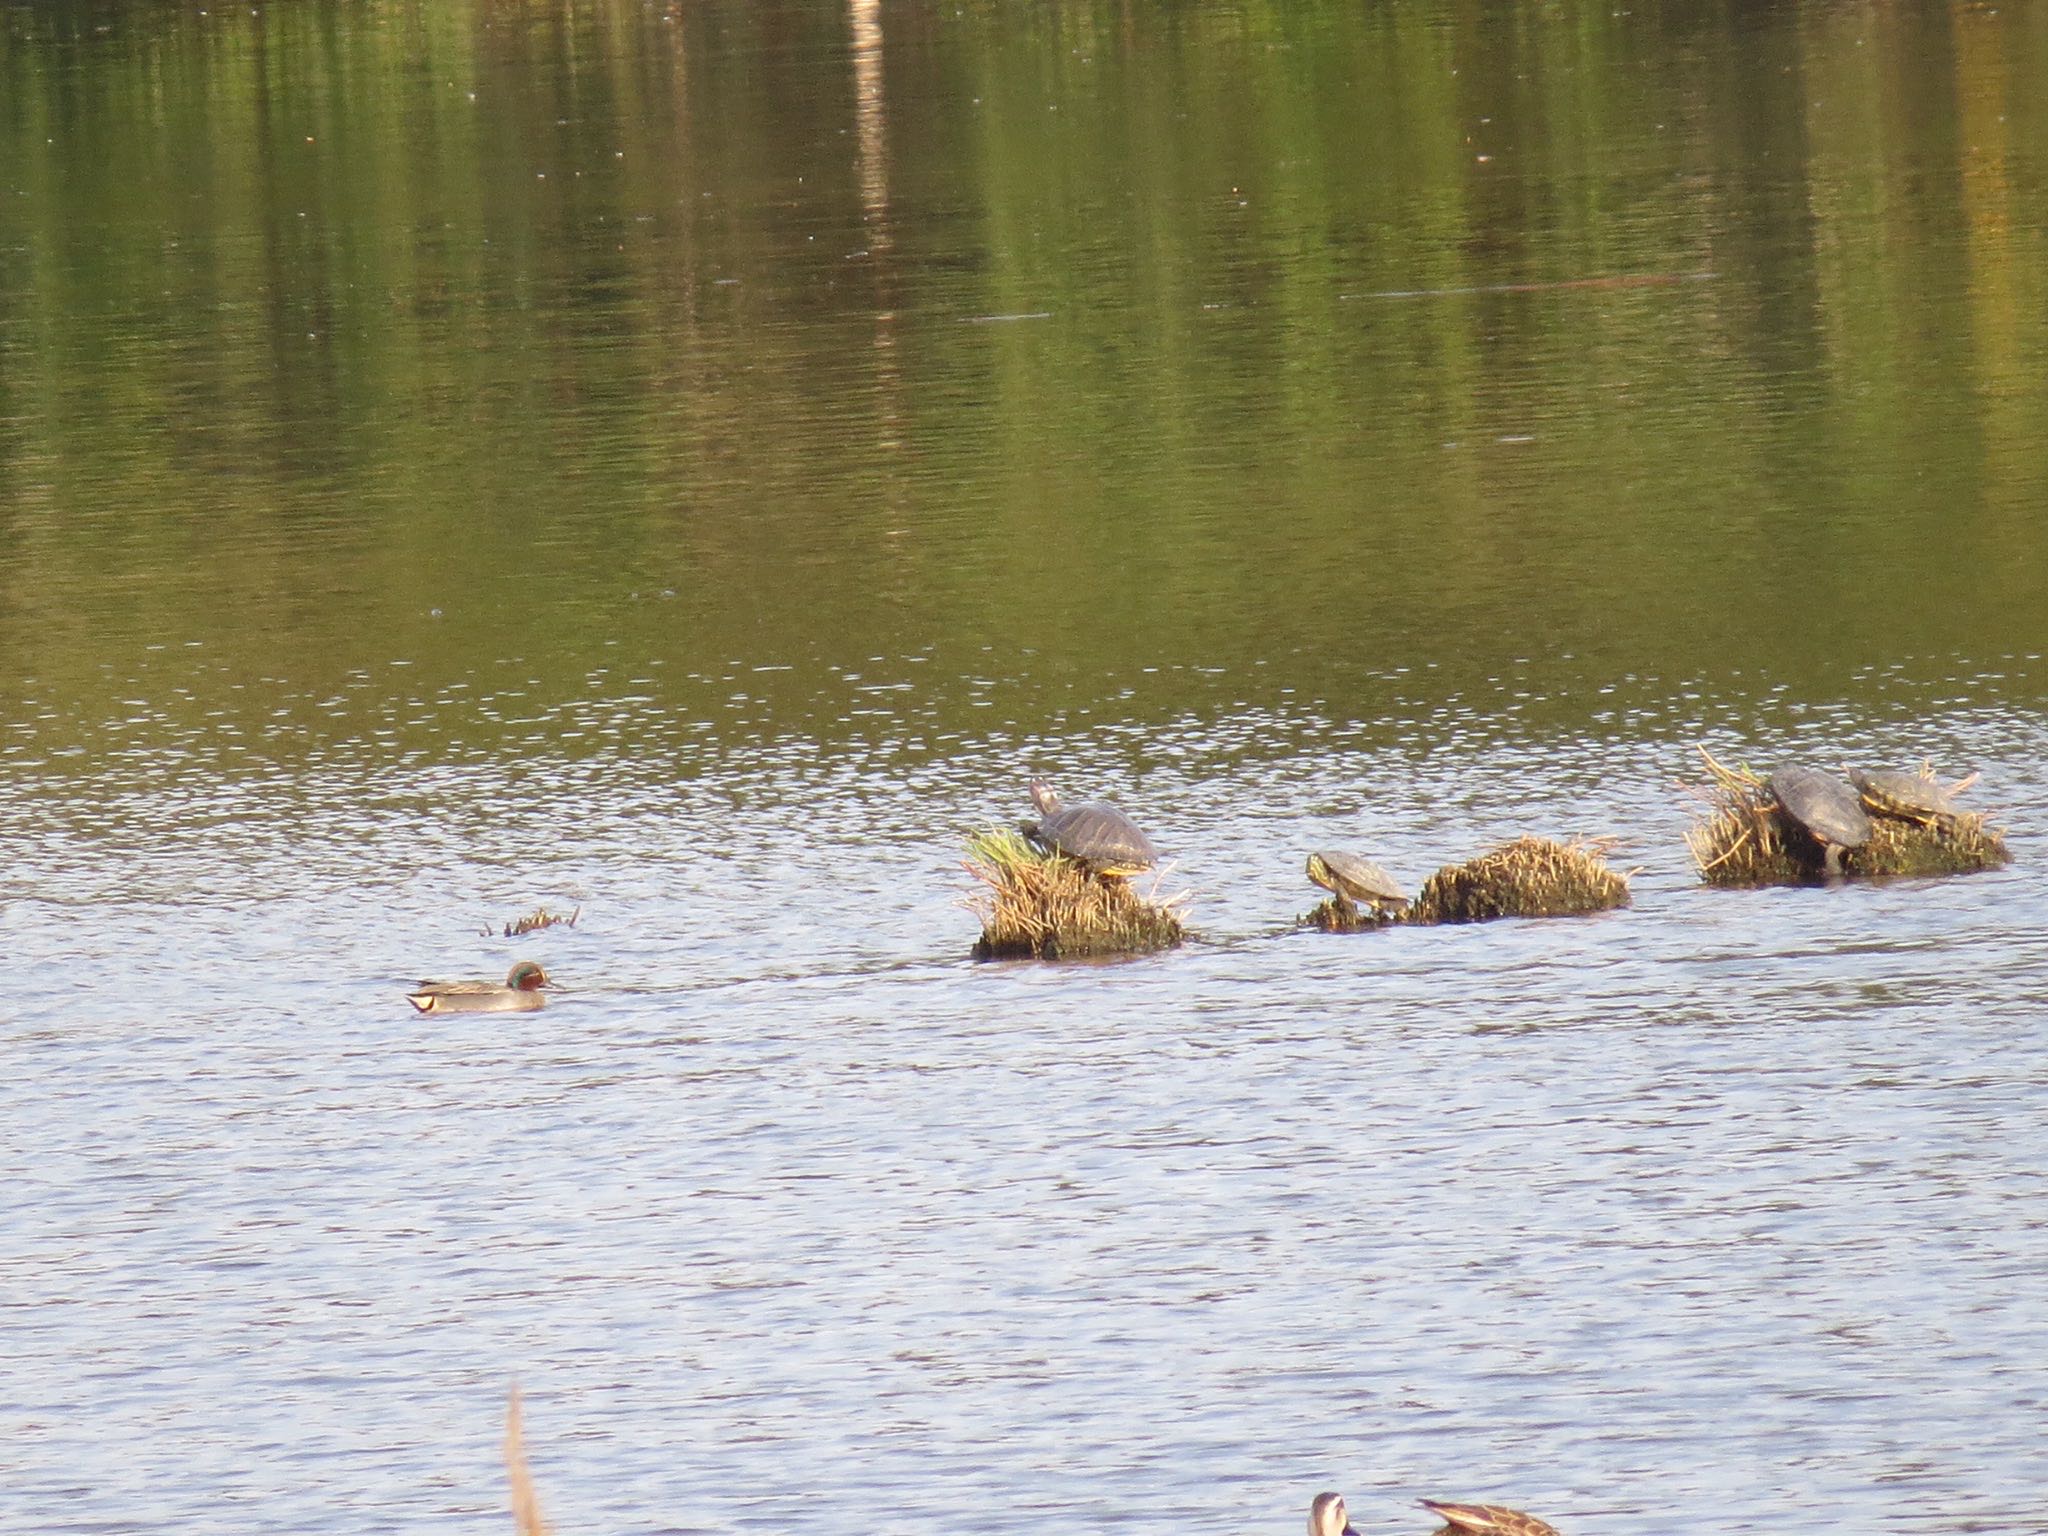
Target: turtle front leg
(1831, 860)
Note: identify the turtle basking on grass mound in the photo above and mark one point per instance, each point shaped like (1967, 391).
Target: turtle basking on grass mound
(1096, 834)
(1354, 883)
(1803, 824)
(1824, 807)
(1057, 888)
(1903, 796)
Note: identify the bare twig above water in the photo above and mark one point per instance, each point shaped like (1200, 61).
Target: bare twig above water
(534, 921)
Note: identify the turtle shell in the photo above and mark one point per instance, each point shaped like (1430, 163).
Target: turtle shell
(1097, 833)
(1823, 804)
(1903, 796)
(1360, 879)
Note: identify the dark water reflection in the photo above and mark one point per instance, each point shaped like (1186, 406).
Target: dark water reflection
(694, 462)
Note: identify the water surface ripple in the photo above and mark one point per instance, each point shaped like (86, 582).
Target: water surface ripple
(696, 462)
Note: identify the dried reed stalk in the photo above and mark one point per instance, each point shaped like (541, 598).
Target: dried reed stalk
(537, 919)
(525, 1502)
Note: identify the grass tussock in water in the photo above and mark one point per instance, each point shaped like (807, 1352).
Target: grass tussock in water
(1038, 905)
(1962, 847)
(1340, 915)
(1742, 839)
(1530, 877)
(1738, 839)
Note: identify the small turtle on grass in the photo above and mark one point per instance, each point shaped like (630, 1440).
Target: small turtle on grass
(1096, 834)
(1906, 796)
(1353, 882)
(1828, 810)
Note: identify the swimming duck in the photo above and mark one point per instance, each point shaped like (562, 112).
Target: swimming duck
(519, 994)
(1328, 1517)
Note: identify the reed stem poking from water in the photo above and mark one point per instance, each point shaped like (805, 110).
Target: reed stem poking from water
(537, 919)
(1530, 877)
(1742, 839)
(1038, 905)
(525, 1502)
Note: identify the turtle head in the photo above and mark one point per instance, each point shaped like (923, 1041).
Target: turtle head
(1042, 796)
(527, 976)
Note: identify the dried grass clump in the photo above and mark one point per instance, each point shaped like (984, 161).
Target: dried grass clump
(1962, 845)
(1039, 905)
(1530, 877)
(537, 919)
(1339, 914)
(1742, 840)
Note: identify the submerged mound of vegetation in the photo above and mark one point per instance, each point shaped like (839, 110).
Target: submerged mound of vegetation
(1744, 838)
(1039, 905)
(1529, 877)
(1339, 915)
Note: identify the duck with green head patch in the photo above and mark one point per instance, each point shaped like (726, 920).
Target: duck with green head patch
(519, 994)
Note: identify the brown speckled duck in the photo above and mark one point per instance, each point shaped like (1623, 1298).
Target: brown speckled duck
(1486, 1520)
(519, 994)
(1328, 1517)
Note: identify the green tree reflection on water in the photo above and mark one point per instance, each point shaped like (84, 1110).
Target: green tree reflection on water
(1068, 339)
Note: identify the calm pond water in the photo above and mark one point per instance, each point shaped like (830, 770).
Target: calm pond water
(695, 462)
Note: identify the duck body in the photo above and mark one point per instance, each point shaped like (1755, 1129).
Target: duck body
(1486, 1520)
(519, 993)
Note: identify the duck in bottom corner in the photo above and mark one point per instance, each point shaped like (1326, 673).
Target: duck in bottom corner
(1327, 1516)
(520, 993)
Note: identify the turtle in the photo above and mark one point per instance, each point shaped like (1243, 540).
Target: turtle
(519, 994)
(1096, 834)
(1350, 878)
(1905, 796)
(1826, 807)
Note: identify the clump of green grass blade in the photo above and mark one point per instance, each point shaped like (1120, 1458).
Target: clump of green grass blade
(1038, 905)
